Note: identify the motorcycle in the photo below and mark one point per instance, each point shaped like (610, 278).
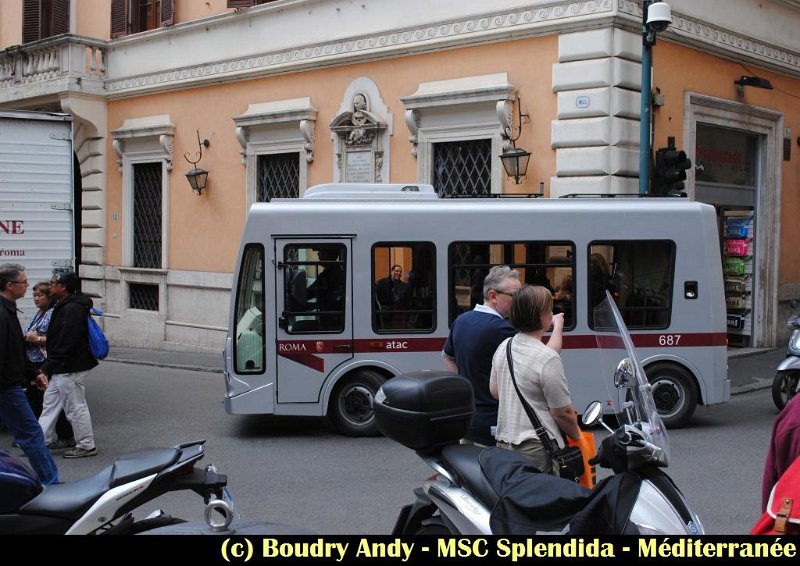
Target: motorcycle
(787, 381)
(103, 503)
(492, 491)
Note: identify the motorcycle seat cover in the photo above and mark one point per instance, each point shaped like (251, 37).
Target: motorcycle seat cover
(141, 464)
(463, 461)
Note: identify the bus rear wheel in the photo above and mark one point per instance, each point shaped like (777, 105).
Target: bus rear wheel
(674, 392)
(351, 404)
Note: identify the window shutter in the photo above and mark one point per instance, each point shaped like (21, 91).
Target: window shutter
(60, 16)
(31, 20)
(119, 18)
(240, 3)
(167, 12)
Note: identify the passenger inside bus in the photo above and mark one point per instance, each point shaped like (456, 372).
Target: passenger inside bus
(329, 289)
(392, 294)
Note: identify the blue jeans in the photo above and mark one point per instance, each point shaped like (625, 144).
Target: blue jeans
(17, 415)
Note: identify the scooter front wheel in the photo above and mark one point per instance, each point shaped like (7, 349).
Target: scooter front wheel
(784, 387)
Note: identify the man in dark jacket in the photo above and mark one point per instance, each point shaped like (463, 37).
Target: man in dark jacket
(15, 374)
(68, 362)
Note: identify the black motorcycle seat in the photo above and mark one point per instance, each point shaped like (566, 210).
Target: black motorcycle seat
(69, 500)
(142, 464)
(463, 461)
(73, 499)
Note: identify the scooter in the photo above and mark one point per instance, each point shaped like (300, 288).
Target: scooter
(492, 491)
(787, 380)
(103, 503)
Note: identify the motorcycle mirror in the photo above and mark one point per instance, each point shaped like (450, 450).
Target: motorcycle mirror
(624, 374)
(593, 413)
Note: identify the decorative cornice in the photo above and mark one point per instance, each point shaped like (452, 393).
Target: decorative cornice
(386, 44)
(722, 41)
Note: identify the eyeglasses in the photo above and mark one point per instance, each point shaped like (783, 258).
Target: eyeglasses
(499, 292)
(20, 282)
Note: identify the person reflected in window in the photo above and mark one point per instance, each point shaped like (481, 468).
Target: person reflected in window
(600, 278)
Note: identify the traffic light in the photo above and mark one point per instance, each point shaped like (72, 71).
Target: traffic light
(669, 172)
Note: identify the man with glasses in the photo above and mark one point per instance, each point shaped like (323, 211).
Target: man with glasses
(473, 339)
(15, 374)
(68, 363)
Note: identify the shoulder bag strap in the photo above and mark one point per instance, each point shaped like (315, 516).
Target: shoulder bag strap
(540, 431)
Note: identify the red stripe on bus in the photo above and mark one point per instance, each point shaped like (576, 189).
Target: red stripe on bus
(307, 348)
(308, 360)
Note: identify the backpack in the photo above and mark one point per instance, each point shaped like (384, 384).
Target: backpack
(98, 343)
(783, 509)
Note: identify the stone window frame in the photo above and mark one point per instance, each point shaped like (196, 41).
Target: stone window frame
(138, 141)
(462, 109)
(280, 126)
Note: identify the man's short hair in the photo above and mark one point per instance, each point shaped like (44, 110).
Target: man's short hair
(494, 279)
(66, 277)
(9, 272)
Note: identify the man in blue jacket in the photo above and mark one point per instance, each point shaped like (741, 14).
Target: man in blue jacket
(15, 374)
(68, 363)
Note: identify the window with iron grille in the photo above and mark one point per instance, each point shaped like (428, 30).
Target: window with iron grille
(147, 213)
(278, 176)
(44, 18)
(142, 296)
(463, 168)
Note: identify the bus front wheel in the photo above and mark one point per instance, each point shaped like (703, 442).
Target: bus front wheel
(674, 392)
(351, 404)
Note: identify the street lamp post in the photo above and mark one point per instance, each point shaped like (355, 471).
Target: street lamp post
(656, 16)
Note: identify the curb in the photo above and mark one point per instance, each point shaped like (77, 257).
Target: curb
(164, 365)
(757, 385)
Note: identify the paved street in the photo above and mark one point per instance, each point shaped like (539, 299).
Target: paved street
(299, 471)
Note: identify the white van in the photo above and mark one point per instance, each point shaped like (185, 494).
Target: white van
(314, 332)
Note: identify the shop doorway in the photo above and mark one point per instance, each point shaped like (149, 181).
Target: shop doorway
(734, 148)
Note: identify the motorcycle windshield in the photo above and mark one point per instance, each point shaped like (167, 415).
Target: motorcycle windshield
(629, 389)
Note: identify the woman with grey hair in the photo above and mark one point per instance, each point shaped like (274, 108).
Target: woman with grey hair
(540, 377)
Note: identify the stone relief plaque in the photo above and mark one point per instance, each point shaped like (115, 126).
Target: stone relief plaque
(358, 167)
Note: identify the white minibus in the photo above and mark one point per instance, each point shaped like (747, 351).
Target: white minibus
(320, 318)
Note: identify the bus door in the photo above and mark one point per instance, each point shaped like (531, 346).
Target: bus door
(313, 282)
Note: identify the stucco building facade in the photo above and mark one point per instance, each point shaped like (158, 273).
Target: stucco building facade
(289, 92)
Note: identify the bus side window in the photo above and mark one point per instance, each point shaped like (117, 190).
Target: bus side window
(403, 287)
(315, 288)
(249, 343)
(548, 264)
(639, 276)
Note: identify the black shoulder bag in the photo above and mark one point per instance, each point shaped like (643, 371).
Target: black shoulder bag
(567, 461)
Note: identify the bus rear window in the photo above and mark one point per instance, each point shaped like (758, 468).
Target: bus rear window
(638, 275)
(248, 345)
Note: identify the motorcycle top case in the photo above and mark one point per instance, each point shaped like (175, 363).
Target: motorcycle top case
(18, 483)
(424, 410)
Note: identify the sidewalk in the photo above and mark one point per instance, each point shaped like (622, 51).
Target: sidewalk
(749, 369)
(177, 360)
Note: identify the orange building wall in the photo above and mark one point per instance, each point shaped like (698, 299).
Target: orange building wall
(188, 10)
(677, 70)
(93, 19)
(205, 230)
(10, 23)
